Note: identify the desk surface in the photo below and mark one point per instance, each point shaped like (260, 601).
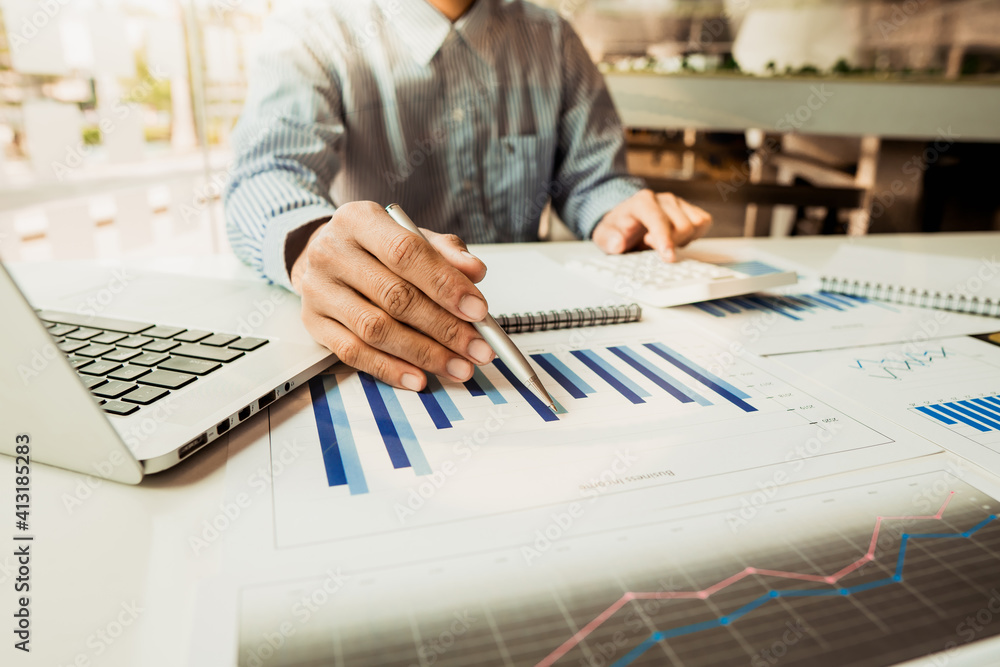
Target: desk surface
(116, 578)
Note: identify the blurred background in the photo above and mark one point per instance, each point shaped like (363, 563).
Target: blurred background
(781, 117)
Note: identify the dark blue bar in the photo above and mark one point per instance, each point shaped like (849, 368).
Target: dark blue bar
(987, 407)
(725, 305)
(618, 386)
(652, 374)
(709, 308)
(788, 303)
(474, 387)
(443, 399)
(433, 407)
(992, 399)
(543, 410)
(766, 303)
(742, 303)
(974, 414)
(960, 417)
(393, 445)
(718, 385)
(825, 302)
(839, 298)
(802, 302)
(559, 376)
(932, 413)
(332, 460)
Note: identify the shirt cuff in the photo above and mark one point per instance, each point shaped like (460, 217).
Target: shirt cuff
(276, 236)
(602, 199)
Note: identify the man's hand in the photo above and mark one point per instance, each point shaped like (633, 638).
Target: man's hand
(389, 303)
(647, 220)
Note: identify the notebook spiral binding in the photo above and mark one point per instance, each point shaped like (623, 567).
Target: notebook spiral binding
(569, 318)
(912, 297)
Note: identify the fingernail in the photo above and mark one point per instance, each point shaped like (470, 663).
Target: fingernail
(470, 255)
(472, 307)
(411, 382)
(481, 351)
(460, 369)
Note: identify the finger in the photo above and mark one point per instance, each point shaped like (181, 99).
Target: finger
(657, 223)
(408, 255)
(618, 233)
(378, 329)
(453, 249)
(701, 218)
(356, 353)
(683, 228)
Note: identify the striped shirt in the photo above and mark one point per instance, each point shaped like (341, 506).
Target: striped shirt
(470, 126)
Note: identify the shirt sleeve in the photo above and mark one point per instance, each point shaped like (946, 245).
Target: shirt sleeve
(590, 156)
(287, 146)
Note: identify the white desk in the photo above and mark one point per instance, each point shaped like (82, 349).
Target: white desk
(115, 579)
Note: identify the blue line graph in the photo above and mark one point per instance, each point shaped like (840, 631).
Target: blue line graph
(896, 578)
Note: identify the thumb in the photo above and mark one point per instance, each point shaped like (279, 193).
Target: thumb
(454, 250)
(617, 234)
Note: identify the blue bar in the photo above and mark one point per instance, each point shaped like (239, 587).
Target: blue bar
(433, 407)
(484, 387)
(744, 304)
(992, 399)
(720, 386)
(769, 305)
(930, 412)
(443, 399)
(543, 410)
(838, 298)
(414, 454)
(659, 378)
(708, 308)
(619, 382)
(973, 413)
(818, 299)
(788, 303)
(393, 444)
(962, 418)
(987, 407)
(799, 300)
(725, 305)
(335, 475)
(473, 386)
(562, 374)
(345, 439)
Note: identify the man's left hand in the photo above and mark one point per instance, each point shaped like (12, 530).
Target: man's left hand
(661, 221)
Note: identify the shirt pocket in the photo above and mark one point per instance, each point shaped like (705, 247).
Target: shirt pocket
(517, 186)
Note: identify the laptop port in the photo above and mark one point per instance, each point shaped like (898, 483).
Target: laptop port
(266, 399)
(245, 412)
(222, 427)
(193, 445)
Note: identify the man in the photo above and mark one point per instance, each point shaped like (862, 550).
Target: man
(468, 113)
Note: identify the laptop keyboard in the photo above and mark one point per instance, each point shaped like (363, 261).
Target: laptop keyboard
(128, 365)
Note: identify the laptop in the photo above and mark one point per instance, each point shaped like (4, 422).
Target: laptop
(95, 391)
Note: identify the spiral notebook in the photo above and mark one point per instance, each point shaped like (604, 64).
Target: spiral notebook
(569, 318)
(965, 284)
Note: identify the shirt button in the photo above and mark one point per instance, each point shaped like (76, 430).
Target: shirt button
(458, 115)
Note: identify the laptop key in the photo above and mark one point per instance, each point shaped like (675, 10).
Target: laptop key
(129, 372)
(167, 379)
(61, 329)
(163, 332)
(114, 389)
(193, 366)
(205, 352)
(135, 341)
(145, 395)
(77, 362)
(160, 346)
(108, 338)
(100, 367)
(119, 408)
(248, 344)
(192, 336)
(83, 333)
(109, 323)
(92, 382)
(219, 340)
(150, 358)
(122, 354)
(71, 345)
(94, 350)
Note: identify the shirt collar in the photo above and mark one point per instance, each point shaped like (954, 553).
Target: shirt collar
(424, 29)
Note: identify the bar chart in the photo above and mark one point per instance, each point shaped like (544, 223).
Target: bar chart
(889, 566)
(654, 400)
(783, 323)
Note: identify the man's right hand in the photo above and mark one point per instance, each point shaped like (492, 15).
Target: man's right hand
(389, 303)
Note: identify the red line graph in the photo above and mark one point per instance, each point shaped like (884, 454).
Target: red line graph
(715, 588)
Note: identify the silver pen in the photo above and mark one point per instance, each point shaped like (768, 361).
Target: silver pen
(490, 330)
